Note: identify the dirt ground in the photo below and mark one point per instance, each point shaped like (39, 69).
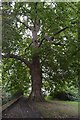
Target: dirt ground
(21, 109)
(59, 109)
(54, 109)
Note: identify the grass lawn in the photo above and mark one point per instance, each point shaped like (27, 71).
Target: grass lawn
(58, 109)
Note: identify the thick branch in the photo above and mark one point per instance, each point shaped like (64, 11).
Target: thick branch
(18, 58)
(51, 38)
(61, 30)
(36, 27)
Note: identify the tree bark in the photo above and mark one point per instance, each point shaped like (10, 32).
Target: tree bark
(36, 77)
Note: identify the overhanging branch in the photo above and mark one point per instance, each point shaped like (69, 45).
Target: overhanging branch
(18, 58)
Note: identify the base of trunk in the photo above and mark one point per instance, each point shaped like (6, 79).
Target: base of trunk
(36, 98)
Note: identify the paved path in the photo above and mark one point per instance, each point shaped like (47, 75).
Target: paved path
(21, 109)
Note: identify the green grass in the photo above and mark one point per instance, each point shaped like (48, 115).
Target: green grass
(58, 109)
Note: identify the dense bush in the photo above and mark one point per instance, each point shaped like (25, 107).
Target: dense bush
(61, 95)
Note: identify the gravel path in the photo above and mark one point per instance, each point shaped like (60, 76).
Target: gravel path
(21, 109)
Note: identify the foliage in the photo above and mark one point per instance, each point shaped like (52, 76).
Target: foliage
(58, 57)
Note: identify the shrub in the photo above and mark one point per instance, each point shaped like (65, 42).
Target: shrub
(61, 95)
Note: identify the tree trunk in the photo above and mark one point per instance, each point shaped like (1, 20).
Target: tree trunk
(36, 77)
